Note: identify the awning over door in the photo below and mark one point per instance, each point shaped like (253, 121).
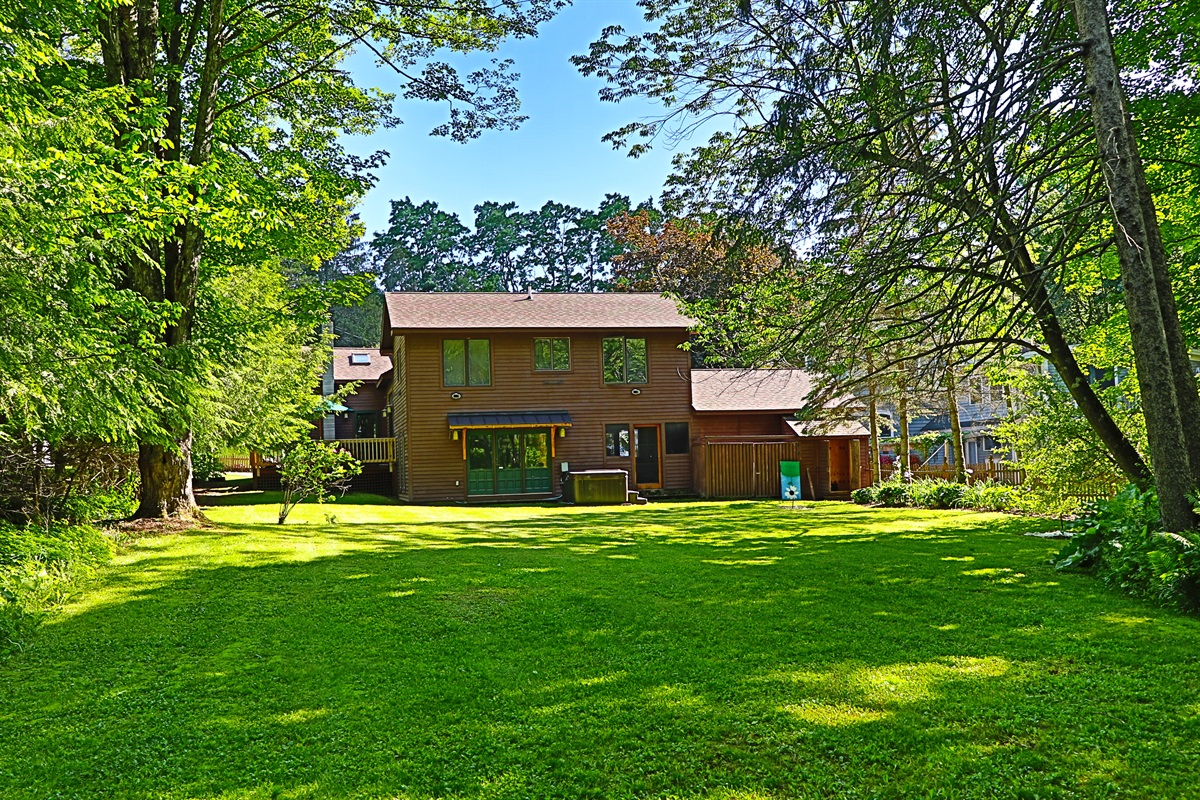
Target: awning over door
(511, 419)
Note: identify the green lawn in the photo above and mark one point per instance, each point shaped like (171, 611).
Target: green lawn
(723, 650)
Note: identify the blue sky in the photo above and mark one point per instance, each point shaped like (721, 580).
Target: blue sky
(555, 155)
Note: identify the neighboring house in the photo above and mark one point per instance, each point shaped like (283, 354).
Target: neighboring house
(981, 407)
(500, 396)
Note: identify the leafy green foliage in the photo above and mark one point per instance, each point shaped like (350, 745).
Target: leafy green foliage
(312, 468)
(936, 493)
(1059, 450)
(988, 495)
(939, 493)
(557, 248)
(1122, 541)
(39, 569)
(864, 496)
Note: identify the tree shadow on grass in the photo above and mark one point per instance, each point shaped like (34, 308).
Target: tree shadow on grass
(693, 652)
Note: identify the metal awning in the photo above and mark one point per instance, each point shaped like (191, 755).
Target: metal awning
(510, 419)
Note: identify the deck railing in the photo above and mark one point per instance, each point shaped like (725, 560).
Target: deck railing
(367, 451)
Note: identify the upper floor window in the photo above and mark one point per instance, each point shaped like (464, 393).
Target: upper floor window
(552, 354)
(466, 362)
(625, 360)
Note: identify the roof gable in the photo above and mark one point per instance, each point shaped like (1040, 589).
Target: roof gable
(467, 310)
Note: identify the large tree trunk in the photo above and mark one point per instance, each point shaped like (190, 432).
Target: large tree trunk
(956, 439)
(132, 40)
(1149, 301)
(902, 412)
(166, 474)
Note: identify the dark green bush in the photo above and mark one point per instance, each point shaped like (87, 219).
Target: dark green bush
(987, 495)
(864, 496)
(206, 466)
(1122, 541)
(936, 493)
(39, 568)
(892, 493)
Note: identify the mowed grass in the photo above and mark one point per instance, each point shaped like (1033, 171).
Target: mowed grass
(719, 650)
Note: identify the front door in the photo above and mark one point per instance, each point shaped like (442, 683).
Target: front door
(646, 474)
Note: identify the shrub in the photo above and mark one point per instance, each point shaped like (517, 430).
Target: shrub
(39, 568)
(1121, 540)
(988, 495)
(206, 466)
(314, 469)
(864, 496)
(936, 493)
(892, 493)
(66, 481)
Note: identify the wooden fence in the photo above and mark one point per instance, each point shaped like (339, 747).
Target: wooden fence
(987, 470)
(1084, 490)
(234, 460)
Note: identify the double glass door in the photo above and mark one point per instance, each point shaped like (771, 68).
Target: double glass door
(508, 461)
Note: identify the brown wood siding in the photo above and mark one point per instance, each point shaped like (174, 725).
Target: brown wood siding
(438, 471)
(722, 423)
(399, 417)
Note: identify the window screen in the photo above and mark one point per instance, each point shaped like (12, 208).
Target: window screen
(676, 438)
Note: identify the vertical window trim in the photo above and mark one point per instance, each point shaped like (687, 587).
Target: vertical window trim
(466, 349)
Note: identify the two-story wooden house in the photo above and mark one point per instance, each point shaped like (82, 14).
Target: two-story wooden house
(498, 395)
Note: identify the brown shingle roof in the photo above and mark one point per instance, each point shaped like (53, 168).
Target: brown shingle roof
(828, 428)
(454, 310)
(784, 390)
(343, 370)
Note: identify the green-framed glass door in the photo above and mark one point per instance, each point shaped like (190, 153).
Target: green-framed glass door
(481, 462)
(536, 461)
(508, 461)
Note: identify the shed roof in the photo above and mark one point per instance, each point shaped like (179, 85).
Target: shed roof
(783, 390)
(457, 310)
(822, 429)
(344, 370)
